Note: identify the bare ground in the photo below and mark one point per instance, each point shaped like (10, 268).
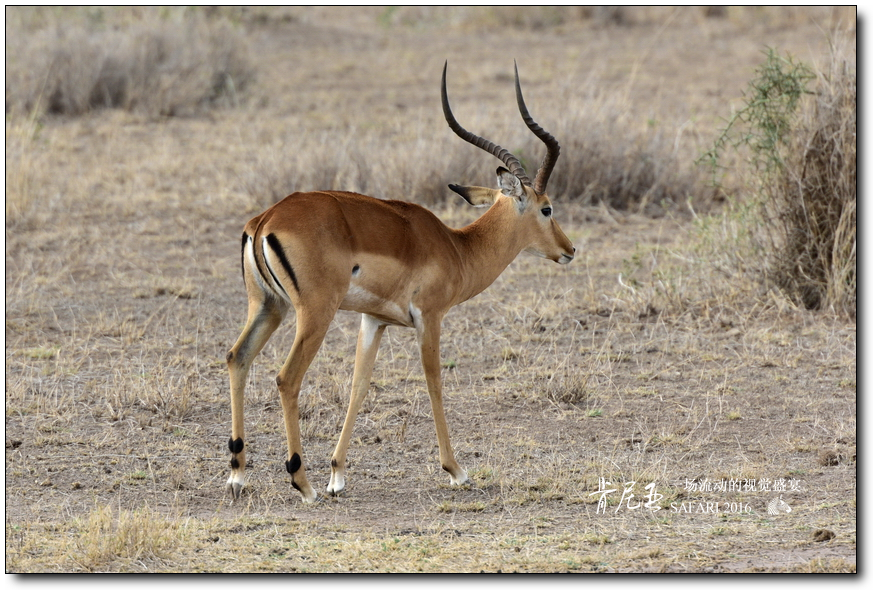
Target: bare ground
(122, 301)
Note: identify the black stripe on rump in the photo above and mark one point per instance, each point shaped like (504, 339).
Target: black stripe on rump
(259, 264)
(242, 255)
(272, 274)
(277, 249)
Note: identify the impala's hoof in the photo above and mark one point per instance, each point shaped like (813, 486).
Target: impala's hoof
(461, 479)
(337, 484)
(317, 499)
(235, 485)
(234, 489)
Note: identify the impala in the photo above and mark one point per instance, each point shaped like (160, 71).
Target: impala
(393, 262)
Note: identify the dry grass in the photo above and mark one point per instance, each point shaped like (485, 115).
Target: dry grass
(650, 170)
(161, 62)
(640, 362)
(24, 159)
(140, 536)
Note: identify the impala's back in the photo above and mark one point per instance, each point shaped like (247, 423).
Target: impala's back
(375, 256)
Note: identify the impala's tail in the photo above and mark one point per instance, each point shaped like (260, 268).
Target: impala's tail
(265, 261)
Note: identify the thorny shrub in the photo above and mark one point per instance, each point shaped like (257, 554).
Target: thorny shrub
(795, 226)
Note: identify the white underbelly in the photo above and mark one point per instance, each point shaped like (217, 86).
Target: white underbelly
(363, 301)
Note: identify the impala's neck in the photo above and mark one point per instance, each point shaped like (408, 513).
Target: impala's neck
(487, 246)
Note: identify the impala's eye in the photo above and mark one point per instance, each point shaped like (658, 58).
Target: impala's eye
(547, 211)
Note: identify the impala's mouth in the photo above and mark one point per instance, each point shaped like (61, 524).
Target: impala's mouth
(565, 258)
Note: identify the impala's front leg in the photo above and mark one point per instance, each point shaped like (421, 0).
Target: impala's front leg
(365, 355)
(428, 329)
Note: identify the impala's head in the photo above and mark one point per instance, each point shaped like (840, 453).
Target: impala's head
(531, 203)
(532, 211)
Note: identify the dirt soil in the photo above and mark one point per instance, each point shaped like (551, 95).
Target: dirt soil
(559, 381)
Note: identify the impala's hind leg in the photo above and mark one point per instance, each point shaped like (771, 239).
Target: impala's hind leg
(312, 325)
(264, 317)
(365, 355)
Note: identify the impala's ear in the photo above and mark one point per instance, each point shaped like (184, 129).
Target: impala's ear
(476, 195)
(509, 183)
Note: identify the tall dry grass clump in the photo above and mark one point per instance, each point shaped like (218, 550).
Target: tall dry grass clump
(24, 160)
(108, 538)
(161, 63)
(793, 223)
(625, 160)
(408, 164)
(607, 156)
(477, 18)
(814, 200)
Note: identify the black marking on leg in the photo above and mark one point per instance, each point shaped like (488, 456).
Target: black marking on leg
(294, 464)
(229, 356)
(449, 470)
(234, 463)
(235, 446)
(333, 463)
(276, 246)
(295, 486)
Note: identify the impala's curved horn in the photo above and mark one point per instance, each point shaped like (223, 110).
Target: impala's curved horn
(492, 148)
(552, 145)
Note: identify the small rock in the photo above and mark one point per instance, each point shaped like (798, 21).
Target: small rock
(829, 458)
(822, 535)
